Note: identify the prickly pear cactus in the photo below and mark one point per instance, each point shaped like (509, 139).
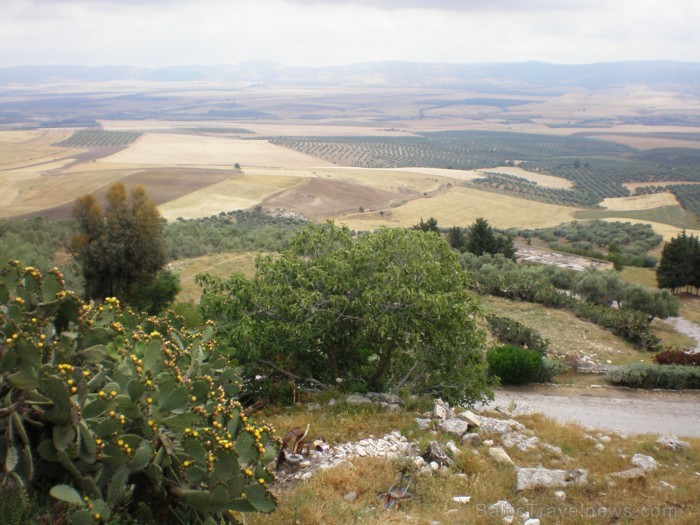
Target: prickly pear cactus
(131, 415)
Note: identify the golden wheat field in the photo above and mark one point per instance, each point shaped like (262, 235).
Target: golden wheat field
(640, 202)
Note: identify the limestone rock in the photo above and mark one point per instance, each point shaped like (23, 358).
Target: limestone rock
(560, 495)
(461, 499)
(357, 399)
(471, 439)
(452, 449)
(454, 427)
(490, 425)
(532, 478)
(502, 509)
(632, 473)
(435, 454)
(500, 456)
(471, 418)
(350, 496)
(532, 521)
(440, 409)
(646, 463)
(671, 442)
(423, 423)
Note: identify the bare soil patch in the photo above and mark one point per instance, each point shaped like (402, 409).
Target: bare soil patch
(640, 202)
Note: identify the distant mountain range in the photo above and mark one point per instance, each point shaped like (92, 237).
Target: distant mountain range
(495, 77)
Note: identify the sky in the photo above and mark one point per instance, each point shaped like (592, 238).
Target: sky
(338, 32)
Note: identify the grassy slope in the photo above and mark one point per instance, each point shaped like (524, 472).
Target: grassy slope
(320, 499)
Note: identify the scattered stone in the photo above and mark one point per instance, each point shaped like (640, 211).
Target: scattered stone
(532, 478)
(500, 456)
(520, 441)
(389, 399)
(452, 449)
(551, 449)
(439, 409)
(418, 462)
(532, 521)
(671, 442)
(306, 475)
(490, 425)
(471, 439)
(434, 453)
(357, 399)
(313, 406)
(488, 443)
(599, 447)
(461, 499)
(667, 485)
(502, 509)
(646, 463)
(434, 466)
(605, 440)
(632, 473)
(454, 427)
(350, 496)
(560, 495)
(471, 418)
(423, 423)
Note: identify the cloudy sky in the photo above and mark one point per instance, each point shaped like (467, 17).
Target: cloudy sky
(335, 32)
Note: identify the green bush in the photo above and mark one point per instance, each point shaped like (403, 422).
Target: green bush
(123, 415)
(644, 375)
(512, 332)
(551, 368)
(514, 365)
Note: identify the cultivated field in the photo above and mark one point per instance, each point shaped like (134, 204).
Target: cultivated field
(541, 179)
(461, 206)
(640, 202)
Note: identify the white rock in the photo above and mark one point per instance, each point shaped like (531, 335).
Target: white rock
(605, 440)
(471, 439)
(667, 485)
(306, 475)
(500, 456)
(532, 521)
(532, 478)
(461, 499)
(671, 442)
(439, 409)
(646, 463)
(632, 473)
(350, 496)
(471, 418)
(502, 509)
(454, 427)
(560, 495)
(599, 447)
(434, 466)
(488, 443)
(452, 449)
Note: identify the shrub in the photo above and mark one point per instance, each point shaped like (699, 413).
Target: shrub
(551, 368)
(123, 414)
(677, 357)
(512, 332)
(644, 375)
(514, 365)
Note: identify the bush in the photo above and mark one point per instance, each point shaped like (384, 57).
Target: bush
(551, 368)
(677, 357)
(514, 365)
(512, 332)
(644, 375)
(121, 414)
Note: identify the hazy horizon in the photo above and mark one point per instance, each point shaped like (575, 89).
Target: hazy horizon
(318, 33)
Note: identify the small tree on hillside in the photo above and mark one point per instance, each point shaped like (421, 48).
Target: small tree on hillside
(482, 240)
(121, 248)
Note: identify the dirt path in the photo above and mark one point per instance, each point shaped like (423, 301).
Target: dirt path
(686, 327)
(624, 410)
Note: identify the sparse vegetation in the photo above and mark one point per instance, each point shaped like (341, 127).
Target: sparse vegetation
(91, 138)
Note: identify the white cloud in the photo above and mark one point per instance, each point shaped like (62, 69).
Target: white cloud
(323, 32)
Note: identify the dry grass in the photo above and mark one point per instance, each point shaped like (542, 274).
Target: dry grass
(219, 265)
(640, 202)
(461, 206)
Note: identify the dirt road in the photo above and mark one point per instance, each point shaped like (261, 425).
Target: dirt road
(624, 410)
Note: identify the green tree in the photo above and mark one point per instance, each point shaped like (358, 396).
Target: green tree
(482, 240)
(675, 269)
(601, 288)
(456, 239)
(655, 304)
(431, 225)
(121, 247)
(381, 311)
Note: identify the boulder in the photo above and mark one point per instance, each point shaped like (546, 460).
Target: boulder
(389, 399)
(471, 418)
(454, 427)
(490, 425)
(502, 509)
(423, 423)
(500, 456)
(533, 478)
(632, 473)
(357, 399)
(646, 463)
(471, 439)
(440, 409)
(434, 453)
(670, 442)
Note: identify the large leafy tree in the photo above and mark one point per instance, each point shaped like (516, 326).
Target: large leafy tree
(381, 311)
(483, 240)
(680, 263)
(120, 248)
